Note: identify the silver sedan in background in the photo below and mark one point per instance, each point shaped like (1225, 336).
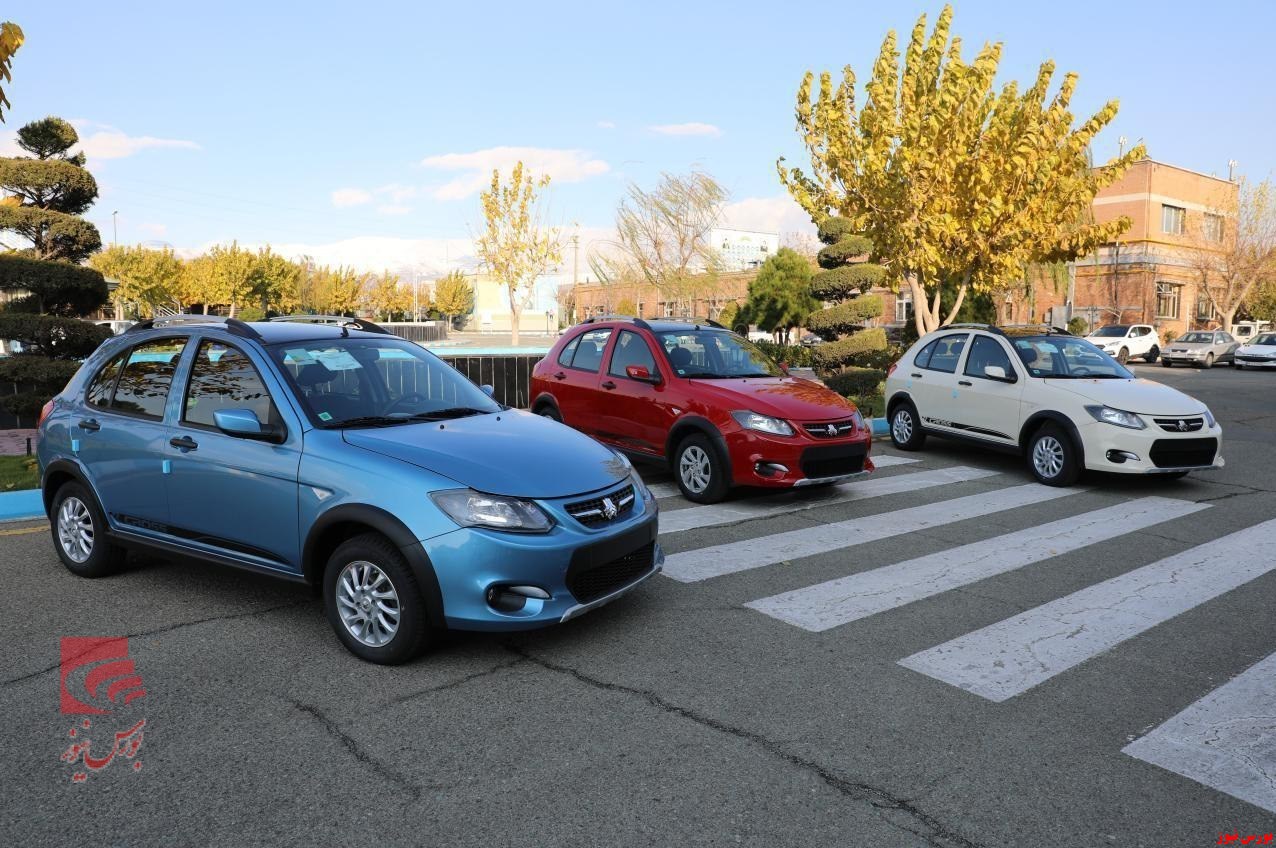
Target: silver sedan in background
(1200, 347)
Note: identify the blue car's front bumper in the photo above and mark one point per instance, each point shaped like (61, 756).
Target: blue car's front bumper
(471, 563)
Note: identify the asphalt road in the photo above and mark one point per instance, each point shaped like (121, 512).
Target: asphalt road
(681, 716)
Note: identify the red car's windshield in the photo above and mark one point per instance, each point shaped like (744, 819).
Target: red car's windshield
(715, 354)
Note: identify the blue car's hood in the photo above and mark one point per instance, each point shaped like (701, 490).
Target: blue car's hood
(508, 453)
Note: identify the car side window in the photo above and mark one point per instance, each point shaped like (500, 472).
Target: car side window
(589, 354)
(224, 378)
(568, 351)
(947, 353)
(103, 385)
(984, 352)
(143, 386)
(630, 349)
(923, 355)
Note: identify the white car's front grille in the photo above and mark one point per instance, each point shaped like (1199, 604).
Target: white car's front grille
(1180, 425)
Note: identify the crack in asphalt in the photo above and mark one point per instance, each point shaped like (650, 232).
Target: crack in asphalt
(933, 831)
(168, 628)
(348, 742)
(499, 667)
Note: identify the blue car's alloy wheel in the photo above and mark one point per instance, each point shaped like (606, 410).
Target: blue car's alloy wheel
(79, 533)
(368, 603)
(373, 602)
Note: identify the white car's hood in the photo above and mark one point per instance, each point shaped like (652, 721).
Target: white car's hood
(1257, 350)
(1141, 396)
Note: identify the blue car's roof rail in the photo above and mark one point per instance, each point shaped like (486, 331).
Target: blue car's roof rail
(336, 320)
(233, 325)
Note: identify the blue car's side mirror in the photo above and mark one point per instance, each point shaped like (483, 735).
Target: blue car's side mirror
(244, 424)
(488, 390)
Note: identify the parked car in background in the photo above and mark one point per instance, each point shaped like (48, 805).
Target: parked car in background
(1246, 331)
(1201, 347)
(117, 327)
(1127, 341)
(345, 457)
(1259, 353)
(811, 340)
(703, 399)
(1063, 403)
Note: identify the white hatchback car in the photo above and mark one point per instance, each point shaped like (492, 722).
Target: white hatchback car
(1065, 404)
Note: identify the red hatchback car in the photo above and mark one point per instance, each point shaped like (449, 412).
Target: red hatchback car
(703, 398)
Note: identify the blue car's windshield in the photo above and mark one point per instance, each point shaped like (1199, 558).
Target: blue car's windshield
(361, 382)
(1066, 357)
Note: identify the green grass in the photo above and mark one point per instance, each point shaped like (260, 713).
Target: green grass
(18, 472)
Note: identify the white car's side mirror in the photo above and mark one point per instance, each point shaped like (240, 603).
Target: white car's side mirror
(996, 372)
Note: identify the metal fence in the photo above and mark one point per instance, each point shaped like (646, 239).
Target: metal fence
(418, 331)
(509, 375)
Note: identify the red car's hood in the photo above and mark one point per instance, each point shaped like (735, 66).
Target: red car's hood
(782, 397)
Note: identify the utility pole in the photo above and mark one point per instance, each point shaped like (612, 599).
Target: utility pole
(115, 228)
(575, 259)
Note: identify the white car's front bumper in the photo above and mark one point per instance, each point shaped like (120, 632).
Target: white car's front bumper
(1152, 450)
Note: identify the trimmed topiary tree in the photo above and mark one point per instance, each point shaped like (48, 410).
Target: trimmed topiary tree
(52, 348)
(845, 282)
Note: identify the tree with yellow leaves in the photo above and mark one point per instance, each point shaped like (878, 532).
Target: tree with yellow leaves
(11, 38)
(517, 246)
(386, 296)
(952, 182)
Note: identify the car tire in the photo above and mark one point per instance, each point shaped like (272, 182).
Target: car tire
(699, 470)
(1153, 355)
(906, 428)
(1167, 363)
(1240, 366)
(1209, 361)
(367, 567)
(78, 526)
(1052, 457)
(1123, 355)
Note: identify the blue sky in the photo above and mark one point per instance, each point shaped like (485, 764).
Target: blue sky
(360, 132)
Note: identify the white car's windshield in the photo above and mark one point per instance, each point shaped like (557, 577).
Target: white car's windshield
(1114, 332)
(1266, 339)
(360, 382)
(1199, 338)
(714, 354)
(1062, 357)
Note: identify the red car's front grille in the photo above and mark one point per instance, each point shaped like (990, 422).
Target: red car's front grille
(830, 430)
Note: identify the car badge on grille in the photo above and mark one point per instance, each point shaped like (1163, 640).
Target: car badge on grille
(609, 509)
(1183, 426)
(831, 429)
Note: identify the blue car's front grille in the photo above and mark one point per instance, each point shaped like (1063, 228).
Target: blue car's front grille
(605, 509)
(590, 582)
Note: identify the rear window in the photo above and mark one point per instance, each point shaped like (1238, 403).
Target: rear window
(103, 385)
(143, 386)
(565, 357)
(589, 353)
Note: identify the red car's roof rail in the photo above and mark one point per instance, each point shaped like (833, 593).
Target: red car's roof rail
(637, 322)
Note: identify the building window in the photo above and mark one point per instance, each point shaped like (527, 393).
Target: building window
(1212, 226)
(1167, 300)
(1172, 219)
(903, 308)
(640, 308)
(1204, 308)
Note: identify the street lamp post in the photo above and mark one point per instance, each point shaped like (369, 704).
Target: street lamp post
(115, 228)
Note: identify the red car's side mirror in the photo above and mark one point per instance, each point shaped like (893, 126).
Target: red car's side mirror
(640, 373)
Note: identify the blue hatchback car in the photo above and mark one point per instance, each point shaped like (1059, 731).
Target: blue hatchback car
(331, 452)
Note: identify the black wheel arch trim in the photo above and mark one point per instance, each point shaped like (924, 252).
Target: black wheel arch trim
(57, 468)
(393, 529)
(689, 424)
(1037, 419)
(895, 400)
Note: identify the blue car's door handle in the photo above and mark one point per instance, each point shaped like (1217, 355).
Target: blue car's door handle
(184, 442)
(90, 424)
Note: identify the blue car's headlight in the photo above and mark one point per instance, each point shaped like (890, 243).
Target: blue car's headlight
(469, 508)
(1117, 417)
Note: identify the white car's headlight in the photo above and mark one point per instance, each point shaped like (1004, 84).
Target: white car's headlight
(469, 508)
(1117, 417)
(1209, 419)
(763, 423)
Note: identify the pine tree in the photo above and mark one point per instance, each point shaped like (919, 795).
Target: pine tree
(845, 281)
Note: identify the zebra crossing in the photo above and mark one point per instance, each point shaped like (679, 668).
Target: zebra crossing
(1226, 740)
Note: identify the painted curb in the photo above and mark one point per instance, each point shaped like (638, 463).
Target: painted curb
(880, 427)
(25, 503)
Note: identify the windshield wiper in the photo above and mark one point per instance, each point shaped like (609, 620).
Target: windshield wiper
(370, 421)
(448, 413)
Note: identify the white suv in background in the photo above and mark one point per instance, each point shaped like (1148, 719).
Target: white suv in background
(1124, 341)
(1065, 404)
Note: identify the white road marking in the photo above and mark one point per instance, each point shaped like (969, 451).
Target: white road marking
(675, 521)
(1226, 740)
(717, 560)
(886, 460)
(1012, 656)
(846, 599)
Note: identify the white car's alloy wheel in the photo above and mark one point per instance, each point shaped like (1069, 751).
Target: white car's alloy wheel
(1048, 457)
(902, 426)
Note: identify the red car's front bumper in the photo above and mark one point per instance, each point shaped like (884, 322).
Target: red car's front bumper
(760, 459)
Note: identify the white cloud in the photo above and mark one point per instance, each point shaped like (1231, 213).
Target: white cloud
(112, 144)
(692, 128)
(564, 166)
(343, 197)
(153, 230)
(397, 193)
(394, 209)
(779, 214)
(606, 125)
